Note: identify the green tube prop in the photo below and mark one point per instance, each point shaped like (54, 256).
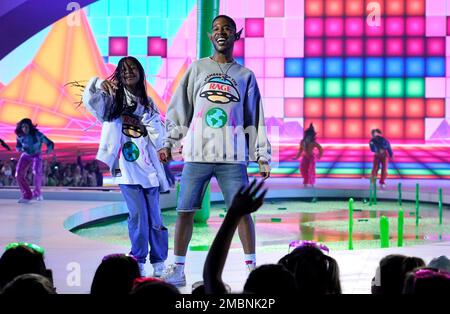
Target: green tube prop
(206, 11)
(417, 204)
(350, 224)
(375, 190)
(399, 194)
(440, 206)
(400, 224)
(384, 231)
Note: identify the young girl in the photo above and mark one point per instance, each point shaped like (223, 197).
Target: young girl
(132, 132)
(308, 163)
(29, 142)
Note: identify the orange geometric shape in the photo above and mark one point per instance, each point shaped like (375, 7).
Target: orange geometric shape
(11, 113)
(40, 91)
(50, 120)
(13, 90)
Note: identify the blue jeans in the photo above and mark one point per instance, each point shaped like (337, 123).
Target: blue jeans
(145, 224)
(195, 179)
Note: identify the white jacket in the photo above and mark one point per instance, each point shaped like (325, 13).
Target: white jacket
(97, 101)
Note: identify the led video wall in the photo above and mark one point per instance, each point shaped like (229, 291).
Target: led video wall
(316, 61)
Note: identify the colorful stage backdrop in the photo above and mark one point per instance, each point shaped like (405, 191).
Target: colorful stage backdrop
(316, 61)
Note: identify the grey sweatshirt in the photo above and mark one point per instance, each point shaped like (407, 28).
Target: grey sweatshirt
(217, 109)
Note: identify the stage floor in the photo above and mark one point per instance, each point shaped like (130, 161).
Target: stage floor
(45, 223)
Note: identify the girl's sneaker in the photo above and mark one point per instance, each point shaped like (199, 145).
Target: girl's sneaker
(23, 200)
(158, 269)
(39, 198)
(142, 269)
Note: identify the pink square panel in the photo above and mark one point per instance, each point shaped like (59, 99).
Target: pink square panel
(354, 26)
(374, 46)
(314, 27)
(274, 67)
(395, 26)
(436, 26)
(435, 46)
(415, 46)
(293, 48)
(354, 47)
(293, 87)
(313, 47)
(274, 8)
(254, 47)
(334, 26)
(394, 46)
(415, 26)
(334, 47)
(254, 27)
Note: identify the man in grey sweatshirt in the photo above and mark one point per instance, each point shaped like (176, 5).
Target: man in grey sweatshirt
(217, 111)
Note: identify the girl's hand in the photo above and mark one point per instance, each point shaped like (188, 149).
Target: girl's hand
(110, 87)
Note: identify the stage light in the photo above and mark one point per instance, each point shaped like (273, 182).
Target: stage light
(394, 87)
(415, 87)
(334, 47)
(313, 87)
(334, 87)
(374, 87)
(293, 67)
(354, 87)
(394, 107)
(415, 67)
(313, 67)
(415, 108)
(374, 67)
(334, 67)
(354, 67)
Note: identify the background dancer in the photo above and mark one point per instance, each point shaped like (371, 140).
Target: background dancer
(29, 143)
(382, 149)
(308, 162)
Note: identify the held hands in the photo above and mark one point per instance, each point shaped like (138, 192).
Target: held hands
(164, 155)
(109, 86)
(264, 169)
(246, 202)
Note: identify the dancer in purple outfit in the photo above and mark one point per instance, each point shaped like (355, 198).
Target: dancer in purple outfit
(29, 143)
